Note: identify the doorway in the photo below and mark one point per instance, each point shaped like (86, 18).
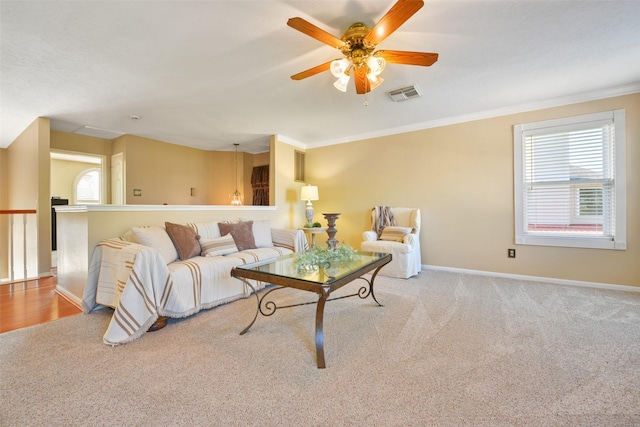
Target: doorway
(79, 178)
(76, 176)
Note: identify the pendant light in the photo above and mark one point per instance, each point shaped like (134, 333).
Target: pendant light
(237, 197)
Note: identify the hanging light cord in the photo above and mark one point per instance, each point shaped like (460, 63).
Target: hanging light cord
(236, 168)
(236, 200)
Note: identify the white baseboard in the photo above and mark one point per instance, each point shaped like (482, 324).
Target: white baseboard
(613, 287)
(71, 297)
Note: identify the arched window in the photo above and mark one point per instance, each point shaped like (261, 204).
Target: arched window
(86, 190)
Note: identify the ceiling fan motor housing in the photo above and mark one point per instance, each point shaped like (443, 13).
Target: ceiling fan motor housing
(356, 47)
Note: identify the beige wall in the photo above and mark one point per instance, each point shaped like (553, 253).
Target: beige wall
(4, 166)
(461, 176)
(166, 173)
(287, 191)
(65, 141)
(74, 143)
(261, 159)
(27, 182)
(4, 219)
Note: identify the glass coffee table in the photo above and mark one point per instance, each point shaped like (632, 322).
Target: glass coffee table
(285, 273)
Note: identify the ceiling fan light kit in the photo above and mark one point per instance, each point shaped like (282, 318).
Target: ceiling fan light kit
(358, 44)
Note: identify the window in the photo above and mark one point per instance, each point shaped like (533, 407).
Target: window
(87, 187)
(570, 182)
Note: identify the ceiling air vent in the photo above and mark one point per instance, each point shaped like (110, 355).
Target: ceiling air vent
(405, 93)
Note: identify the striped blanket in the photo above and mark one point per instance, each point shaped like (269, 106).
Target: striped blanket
(135, 281)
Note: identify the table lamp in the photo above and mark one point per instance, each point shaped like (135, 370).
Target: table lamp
(309, 193)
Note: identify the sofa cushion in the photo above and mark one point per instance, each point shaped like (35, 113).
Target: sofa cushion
(185, 240)
(218, 246)
(158, 239)
(260, 254)
(262, 233)
(394, 233)
(242, 233)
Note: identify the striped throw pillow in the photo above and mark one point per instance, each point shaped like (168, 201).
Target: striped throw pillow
(394, 233)
(218, 246)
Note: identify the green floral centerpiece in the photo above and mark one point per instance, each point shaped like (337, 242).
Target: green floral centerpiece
(325, 257)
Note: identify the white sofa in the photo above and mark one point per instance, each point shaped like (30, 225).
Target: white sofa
(147, 275)
(402, 241)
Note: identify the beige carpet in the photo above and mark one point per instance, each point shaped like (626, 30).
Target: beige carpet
(445, 350)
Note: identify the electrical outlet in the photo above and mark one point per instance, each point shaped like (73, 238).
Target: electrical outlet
(511, 253)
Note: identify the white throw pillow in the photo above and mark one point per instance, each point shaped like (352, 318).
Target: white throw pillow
(129, 237)
(157, 238)
(394, 233)
(218, 246)
(262, 233)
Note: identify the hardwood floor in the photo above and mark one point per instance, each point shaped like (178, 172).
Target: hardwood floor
(32, 302)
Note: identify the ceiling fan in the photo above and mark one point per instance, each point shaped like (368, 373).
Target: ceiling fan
(358, 45)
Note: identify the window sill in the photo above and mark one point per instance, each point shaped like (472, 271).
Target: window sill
(572, 242)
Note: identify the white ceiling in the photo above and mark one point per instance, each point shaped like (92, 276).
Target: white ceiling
(208, 74)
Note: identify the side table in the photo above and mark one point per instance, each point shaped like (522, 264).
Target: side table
(311, 234)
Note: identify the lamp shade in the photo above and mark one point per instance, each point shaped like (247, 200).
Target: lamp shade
(341, 83)
(339, 67)
(309, 192)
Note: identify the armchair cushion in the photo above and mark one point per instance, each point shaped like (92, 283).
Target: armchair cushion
(394, 233)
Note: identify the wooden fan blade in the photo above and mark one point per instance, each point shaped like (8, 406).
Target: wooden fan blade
(361, 80)
(396, 16)
(312, 31)
(410, 58)
(312, 71)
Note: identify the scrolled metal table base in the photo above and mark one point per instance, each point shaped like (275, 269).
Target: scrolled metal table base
(269, 307)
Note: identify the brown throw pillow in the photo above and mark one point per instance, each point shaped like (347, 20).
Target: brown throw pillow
(242, 233)
(185, 240)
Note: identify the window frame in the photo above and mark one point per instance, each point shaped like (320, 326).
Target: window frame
(619, 241)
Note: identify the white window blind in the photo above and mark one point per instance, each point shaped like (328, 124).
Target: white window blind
(568, 182)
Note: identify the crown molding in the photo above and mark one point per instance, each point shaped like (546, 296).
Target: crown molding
(505, 111)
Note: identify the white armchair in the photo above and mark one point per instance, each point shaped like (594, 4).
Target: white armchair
(402, 241)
